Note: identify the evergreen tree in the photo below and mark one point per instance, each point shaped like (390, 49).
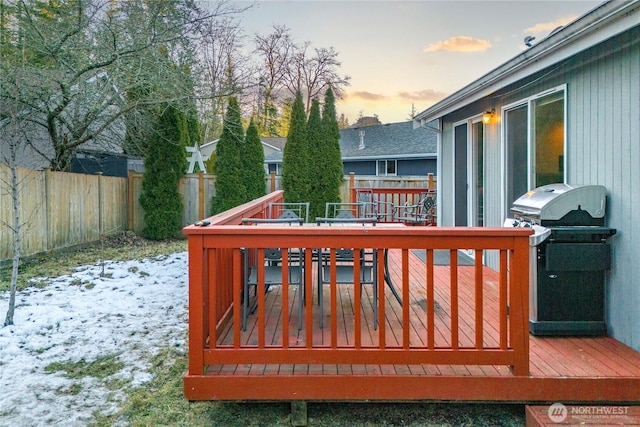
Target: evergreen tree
(295, 159)
(253, 161)
(165, 163)
(210, 164)
(316, 173)
(193, 131)
(285, 117)
(230, 189)
(328, 158)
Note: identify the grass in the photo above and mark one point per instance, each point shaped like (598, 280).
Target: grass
(64, 262)
(100, 368)
(161, 402)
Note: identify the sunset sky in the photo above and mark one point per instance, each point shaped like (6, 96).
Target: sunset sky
(404, 53)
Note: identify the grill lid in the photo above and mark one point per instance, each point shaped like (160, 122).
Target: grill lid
(554, 202)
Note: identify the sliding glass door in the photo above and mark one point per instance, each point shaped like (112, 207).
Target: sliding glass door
(469, 173)
(534, 135)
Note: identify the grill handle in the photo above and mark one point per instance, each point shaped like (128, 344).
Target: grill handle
(524, 212)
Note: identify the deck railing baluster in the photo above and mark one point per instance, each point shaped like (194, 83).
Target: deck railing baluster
(308, 295)
(382, 339)
(453, 262)
(503, 301)
(357, 301)
(285, 302)
(237, 299)
(430, 304)
(479, 300)
(406, 301)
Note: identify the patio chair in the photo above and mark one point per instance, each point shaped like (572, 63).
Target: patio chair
(272, 263)
(345, 265)
(422, 213)
(347, 212)
(293, 210)
(272, 277)
(372, 206)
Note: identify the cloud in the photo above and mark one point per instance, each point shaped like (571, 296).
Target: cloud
(547, 27)
(428, 95)
(365, 96)
(459, 44)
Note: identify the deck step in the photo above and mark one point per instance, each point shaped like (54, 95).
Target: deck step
(558, 414)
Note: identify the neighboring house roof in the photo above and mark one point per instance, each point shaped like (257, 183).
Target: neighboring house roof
(388, 141)
(208, 148)
(560, 45)
(271, 145)
(276, 142)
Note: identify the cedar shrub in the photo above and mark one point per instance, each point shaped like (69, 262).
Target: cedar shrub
(165, 163)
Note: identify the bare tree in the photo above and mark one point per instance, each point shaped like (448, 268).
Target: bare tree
(11, 184)
(219, 51)
(12, 149)
(276, 52)
(314, 73)
(83, 56)
(286, 68)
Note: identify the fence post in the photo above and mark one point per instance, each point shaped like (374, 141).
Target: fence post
(200, 195)
(47, 208)
(352, 187)
(100, 215)
(430, 183)
(130, 199)
(272, 177)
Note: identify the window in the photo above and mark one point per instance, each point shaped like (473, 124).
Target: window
(548, 139)
(275, 168)
(386, 167)
(534, 135)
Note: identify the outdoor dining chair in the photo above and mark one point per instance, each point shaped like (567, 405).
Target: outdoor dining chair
(345, 264)
(346, 211)
(272, 262)
(422, 213)
(372, 206)
(295, 210)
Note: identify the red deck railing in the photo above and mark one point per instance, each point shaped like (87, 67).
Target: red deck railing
(387, 197)
(216, 281)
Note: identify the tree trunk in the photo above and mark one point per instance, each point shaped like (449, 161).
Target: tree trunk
(16, 244)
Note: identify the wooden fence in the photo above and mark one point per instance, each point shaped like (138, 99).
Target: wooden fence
(60, 209)
(197, 190)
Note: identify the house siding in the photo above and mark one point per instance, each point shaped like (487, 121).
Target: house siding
(605, 149)
(413, 167)
(602, 147)
(359, 168)
(416, 167)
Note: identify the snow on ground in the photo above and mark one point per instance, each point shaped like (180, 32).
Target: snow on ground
(133, 310)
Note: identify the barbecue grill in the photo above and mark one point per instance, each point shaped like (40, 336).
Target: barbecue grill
(570, 256)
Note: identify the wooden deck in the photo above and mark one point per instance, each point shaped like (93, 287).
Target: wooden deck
(561, 369)
(460, 333)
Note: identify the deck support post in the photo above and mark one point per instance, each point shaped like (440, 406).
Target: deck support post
(299, 413)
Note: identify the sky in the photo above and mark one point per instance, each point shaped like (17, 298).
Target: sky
(405, 56)
(133, 310)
